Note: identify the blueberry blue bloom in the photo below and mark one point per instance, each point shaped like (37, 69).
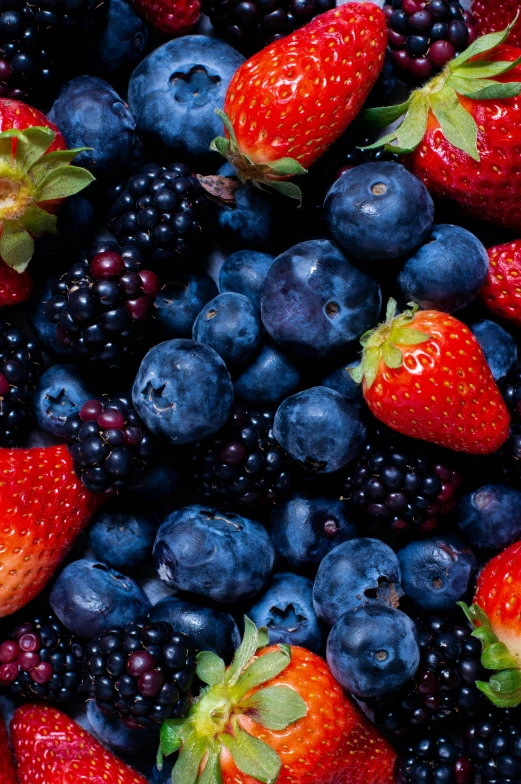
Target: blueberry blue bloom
(230, 324)
(244, 272)
(269, 378)
(499, 347)
(122, 539)
(490, 516)
(61, 392)
(179, 303)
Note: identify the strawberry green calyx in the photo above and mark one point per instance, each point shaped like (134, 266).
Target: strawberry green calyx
(30, 177)
(213, 722)
(262, 175)
(504, 687)
(382, 343)
(473, 79)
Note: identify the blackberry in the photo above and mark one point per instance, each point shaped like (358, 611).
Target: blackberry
(163, 212)
(142, 674)
(41, 660)
(443, 686)
(243, 464)
(249, 25)
(101, 306)
(109, 444)
(493, 743)
(435, 760)
(400, 485)
(424, 35)
(20, 368)
(35, 38)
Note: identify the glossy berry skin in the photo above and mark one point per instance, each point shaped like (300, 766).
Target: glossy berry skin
(374, 579)
(124, 741)
(493, 744)
(372, 650)
(499, 347)
(341, 381)
(15, 287)
(20, 367)
(179, 303)
(435, 758)
(122, 43)
(174, 17)
(268, 378)
(7, 772)
(444, 391)
(447, 272)
(233, 556)
(61, 392)
(378, 211)
(254, 220)
(498, 592)
(122, 539)
(16, 114)
(88, 596)
(230, 323)
(436, 573)
(501, 292)
(290, 73)
(490, 517)
(304, 530)
(244, 272)
(491, 17)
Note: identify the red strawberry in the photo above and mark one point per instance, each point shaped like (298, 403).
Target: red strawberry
(174, 17)
(492, 16)
(18, 115)
(15, 287)
(502, 290)
(289, 102)
(280, 712)
(43, 507)
(424, 374)
(7, 772)
(50, 748)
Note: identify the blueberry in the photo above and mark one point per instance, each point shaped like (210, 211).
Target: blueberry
(253, 220)
(122, 43)
(269, 378)
(341, 381)
(61, 392)
(379, 211)
(286, 610)
(357, 572)
(183, 391)
(244, 272)
(223, 557)
(373, 650)
(122, 539)
(499, 347)
(89, 597)
(113, 733)
(208, 629)
(447, 272)
(44, 328)
(173, 93)
(437, 572)
(491, 516)
(90, 113)
(304, 530)
(159, 481)
(314, 303)
(320, 428)
(230, 324)
(179, 303)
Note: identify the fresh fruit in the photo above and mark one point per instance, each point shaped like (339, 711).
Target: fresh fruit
(20, 367)
(269, 378)
(123, 539)
(435, 758)
(267, 144)
(230, 323)
(424, 375)
(490, 516)
(180, 301)
(52, 749)
(174, 17)
(244, 272)
(142, 673)
(42, 661)
(286, 691)
(121, 44)
(61, 392)
(7, 771)
(501, 291)
(491, 17)
(493, 744)
(498, 345)
(44, 507)
(14, 287)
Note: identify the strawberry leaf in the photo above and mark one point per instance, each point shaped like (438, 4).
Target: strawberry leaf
(227, 124)
(411, 131)
(212, 770)
(483, 69)
(458, 126)
(407, 336)
(484, 89)
(169, 738)
(210, 668)
(253, 757)
(32, 144)
(392, 356)
(186, 769)
(506, 681)
(383, 116)
(220, 145)
(264, 638)
(275, 707)
(16, 246)
(38, 222)
(483, 44)
(500, 700)
(261, 670)
(356, 373)
(47, 162)
(288, 189)
(497, 657)
(244, 652)
(287, 166)
(62, 182)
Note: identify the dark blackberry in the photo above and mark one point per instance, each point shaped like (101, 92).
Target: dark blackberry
(243, 465)
(493, 743)
(443, 686)
(41, 660)
(401, 485)
(424, 35)
(435, 760)
(20, 368)
(142, 673)
(508, 459)
(163, 212)
(35, 38)
(109, 444)
(101, 306)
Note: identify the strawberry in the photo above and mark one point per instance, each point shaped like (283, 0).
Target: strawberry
(275, 714)
(15, 287)
(7, 772)
(462, 131)
(35, 176)
(43, 506)
(501, 292)
(50, 748)
(289, 102)
(424, 374)
(492, 16)
(174, 17)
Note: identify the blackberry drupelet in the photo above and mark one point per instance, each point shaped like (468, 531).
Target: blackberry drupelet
(401, 485)
(42, 660)
(142, 674)
(424, 35)
(435, 760)
(249, 25)
(444, 684)
(109, 444)
(20, 368)
(163, 212)
(243, 464)
(101, 306)
(493, 743)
